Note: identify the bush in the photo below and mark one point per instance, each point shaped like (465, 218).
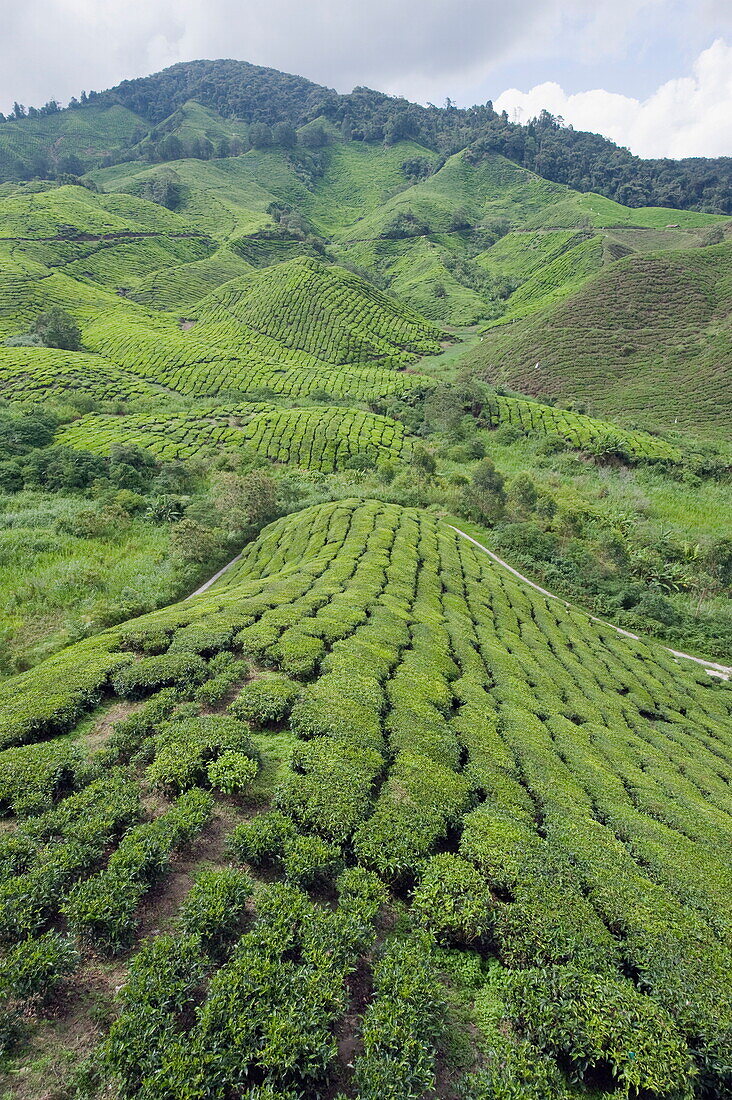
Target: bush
(453, 901)
(401, 1026)
(262, 839)
(185, 747)
(37, 966)
(266, 701)
(596, 1020)
(298, 654)
(232, 772)
(102, 909)
(142, 677)
(32, 777)
(214, 907)
(309, 861)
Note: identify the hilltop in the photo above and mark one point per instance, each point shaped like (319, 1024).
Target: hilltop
(149, 118)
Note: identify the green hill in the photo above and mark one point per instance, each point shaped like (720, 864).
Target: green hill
(503, 770)
(647, 340)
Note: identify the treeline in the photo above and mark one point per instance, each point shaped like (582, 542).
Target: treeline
(266, 98)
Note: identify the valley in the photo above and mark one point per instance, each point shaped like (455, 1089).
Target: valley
(365, 573)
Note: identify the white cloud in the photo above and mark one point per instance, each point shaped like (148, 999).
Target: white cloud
(424, 49)
(687, 117)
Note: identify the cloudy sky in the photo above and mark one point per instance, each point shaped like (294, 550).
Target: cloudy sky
(655, 75)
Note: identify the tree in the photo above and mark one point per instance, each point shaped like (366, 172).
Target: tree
(284, 135)
(484, 498)
(56, 328)
(260, 135)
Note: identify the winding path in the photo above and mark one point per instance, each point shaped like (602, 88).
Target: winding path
(212, 580)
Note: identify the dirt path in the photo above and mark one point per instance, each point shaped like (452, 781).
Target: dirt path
(724, 672)
(212, 580)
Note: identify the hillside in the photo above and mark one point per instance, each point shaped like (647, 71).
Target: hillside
(151, 118)
(647, 340)
(521, 776)
(365, 603)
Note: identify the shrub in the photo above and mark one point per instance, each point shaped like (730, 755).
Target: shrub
(33, 776)
(453, 901)
(185, 747)
(401, 1026)
(102, 909)
(214, 907)
(266, 701)
(140, 678)
(596, 1020)
(310, 861)
(37, 966)
(298, 654)
(262, 839)
(232, 772)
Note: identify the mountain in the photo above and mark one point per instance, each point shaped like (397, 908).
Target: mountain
(149, 118)
(365, 578)
(648, 338)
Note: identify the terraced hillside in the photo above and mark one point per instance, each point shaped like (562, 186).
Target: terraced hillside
(319, 438)
(541, 804)
(648, 338)
(91, 255)
(583, 432)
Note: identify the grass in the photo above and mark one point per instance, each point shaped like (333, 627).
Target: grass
(57, 586)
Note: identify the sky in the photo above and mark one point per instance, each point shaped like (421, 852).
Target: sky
(654, 75)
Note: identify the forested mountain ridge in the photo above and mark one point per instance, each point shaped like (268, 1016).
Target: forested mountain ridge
(132, 121)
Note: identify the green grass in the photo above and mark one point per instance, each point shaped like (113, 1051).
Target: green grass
(57, 585)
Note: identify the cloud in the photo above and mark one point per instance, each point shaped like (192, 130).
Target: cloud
(687, 117)
(420, 48)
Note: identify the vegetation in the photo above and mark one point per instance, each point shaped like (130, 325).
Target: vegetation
(559, 825)
(371, 814)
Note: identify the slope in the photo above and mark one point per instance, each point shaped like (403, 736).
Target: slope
(647, 340)
(550, 798)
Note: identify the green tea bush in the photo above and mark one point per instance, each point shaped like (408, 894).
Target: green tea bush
(232, 772)
(453, 901)
(151, 673)
(262, 839)
(214, 907)
(186, 747)
(36, 966)
(597, 1021)
(401, 1026)
(265, 701)
(102, 908)
(32, 777)
(309, 861)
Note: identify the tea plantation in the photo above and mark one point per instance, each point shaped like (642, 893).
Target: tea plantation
(315, 438)
(493, 807)
(306, 791)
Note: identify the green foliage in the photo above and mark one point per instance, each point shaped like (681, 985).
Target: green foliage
(34, 967)
(266, 701)
(232, 772)
(101, 909)
(215, 905)
(401, 1026)
(186, 750)
(150, 673)
(596, 1021)
(453, 901)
